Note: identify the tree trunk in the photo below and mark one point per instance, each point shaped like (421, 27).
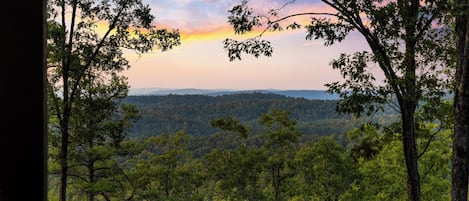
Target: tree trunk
(410, 154)
(63, 163)
(91, 179)
(410, 98)
(275, 182)
(460, 165)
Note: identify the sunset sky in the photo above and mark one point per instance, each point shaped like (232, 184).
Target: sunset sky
(201, 62)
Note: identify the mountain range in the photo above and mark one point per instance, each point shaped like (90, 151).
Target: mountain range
(307, 94)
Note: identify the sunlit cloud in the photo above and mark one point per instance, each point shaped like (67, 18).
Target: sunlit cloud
(208, 19)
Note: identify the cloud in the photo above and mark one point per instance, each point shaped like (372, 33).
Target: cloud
(208, 18)
(189, 15)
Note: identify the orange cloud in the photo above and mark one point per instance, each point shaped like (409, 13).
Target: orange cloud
(216, 33)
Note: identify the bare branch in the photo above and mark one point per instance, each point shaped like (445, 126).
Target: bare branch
(428, 142)
(79, 177)
(290, 16)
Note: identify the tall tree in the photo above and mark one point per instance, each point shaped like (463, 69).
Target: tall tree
(460, 161)
(237, 170)
(280, 137)
(99, 125)
(78, 49)
(407, 39)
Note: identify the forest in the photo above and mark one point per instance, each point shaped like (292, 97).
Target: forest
(274, 162)
(400, 139)
(192, 113)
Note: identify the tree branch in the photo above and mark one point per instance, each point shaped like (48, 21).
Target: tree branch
(427, 145)
(270, 23)
(95, 53)
(79, 177)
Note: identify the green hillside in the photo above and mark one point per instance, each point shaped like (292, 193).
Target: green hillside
(193, 113)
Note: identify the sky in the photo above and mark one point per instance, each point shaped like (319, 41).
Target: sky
(201, 62)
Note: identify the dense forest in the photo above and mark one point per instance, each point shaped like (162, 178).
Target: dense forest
(193, 113)
(276, 162)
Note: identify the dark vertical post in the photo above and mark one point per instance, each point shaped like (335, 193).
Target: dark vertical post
(23, 135)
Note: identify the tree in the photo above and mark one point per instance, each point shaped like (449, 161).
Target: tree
(231, 125)
(408, 40)
(376, 151)
(98, 127)
(98, 131)
(237, 171)
(386, 161)
(280, 137)
(76, 49)
(325, 169)
(460, 161)
(166, 171)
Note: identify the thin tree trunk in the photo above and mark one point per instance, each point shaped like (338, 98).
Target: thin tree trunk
(91, 179)
(63, 162)
(67, 100)
(460, 170)
(275, 183)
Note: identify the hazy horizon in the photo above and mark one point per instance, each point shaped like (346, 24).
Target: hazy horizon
(224, 89)
(296, 93)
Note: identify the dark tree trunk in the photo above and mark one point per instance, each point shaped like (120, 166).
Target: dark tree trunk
(64, 163)
(410, 98)
(275, 182)
(67, 101)
(410, 154)
(91, 179)
(460, 165)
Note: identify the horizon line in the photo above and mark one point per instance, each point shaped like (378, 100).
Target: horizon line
(224, 89)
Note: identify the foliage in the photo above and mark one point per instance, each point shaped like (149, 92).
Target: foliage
(278, 164)
(324, 170)
(381, 176)
(193, 113)
(166, 170)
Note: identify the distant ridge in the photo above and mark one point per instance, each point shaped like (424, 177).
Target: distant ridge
(307, 94)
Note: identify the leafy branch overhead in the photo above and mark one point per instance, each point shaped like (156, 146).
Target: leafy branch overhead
(244, 20)
(383, 30)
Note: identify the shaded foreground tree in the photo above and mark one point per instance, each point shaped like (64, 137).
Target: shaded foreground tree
(409, 40)
(98, 127)
(77, 49)
(460, 160)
